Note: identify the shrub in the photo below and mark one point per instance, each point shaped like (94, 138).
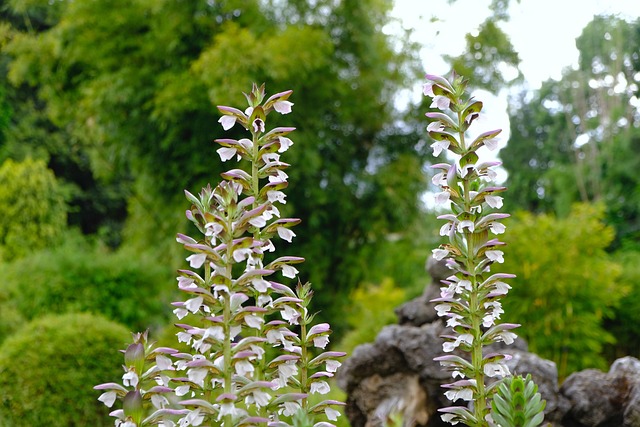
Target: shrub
(80, 277)
(33, 212)
(46, 366)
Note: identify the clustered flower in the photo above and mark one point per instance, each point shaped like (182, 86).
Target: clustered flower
(470, 298)
(255, 355)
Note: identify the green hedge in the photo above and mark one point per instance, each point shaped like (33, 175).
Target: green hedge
(48, 369)
(78, 277)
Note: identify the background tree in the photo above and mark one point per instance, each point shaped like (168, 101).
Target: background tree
(127, 92)
(566, 285)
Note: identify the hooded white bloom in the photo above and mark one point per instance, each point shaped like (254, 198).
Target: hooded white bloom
(283, 107)
(441, 102)
(497, 256)
(286, 234)
(496, 370)
(227, 121)
(108, 398)
(196, 260)
(193, 304)
(197, 375)
(226, 153)
(276, 196)
(438, 146)
(494, 201)
(332, 365)
(130, 378)
(285, 143)
(321, 341)
(320, 387)
(332, 414)
(289, 271)
(439, 254)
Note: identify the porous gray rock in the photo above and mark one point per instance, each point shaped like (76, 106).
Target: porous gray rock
(396, 373)
(599, 399)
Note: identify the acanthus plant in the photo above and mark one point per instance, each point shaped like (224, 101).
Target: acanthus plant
(470, 297)
(255, 358)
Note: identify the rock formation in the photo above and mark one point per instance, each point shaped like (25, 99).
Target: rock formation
(397, 374)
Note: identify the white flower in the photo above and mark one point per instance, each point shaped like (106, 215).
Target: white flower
(159, 401)
(443, 309)
(441, 102)
(226, 153)
(260, 285)
(332, 365)
(290, 314)
(446, 229)
(108, 398)
(496, 369)
(286, 234)
(501, 288)
(321, 341)
(289, 271)
(497, 227)
(258, 221)
(130, 378)
(242, 254)
(507, 337)
(461, 393)
(193, 418)
(197, 375)
(439, 254)
(497, 256)
(436, 126)
(332, 414)
(468, 224)
(260, 398)
(442, 197)
(227, 121)
(276, 196)
(439, 179)
(283, 107)
(438, 146)
(493, 201)
(320, 387)
(285, 143)
(254, 321)
(196, 260)
(290, 408)
(491, 143)
(193, 304)
(163, 363)
(181, 390)
(449, 418)
(427, 89)
(258, 125)
(244, 367)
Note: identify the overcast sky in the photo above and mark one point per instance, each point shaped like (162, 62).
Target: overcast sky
(542, 31)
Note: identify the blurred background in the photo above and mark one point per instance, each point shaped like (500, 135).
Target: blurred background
(107, 113)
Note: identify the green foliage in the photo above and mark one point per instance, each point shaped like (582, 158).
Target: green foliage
(78, 276)
(371, 308)
(47, 368)
(566, 285)
(33, 212)
(517, 403)
(576, 139)
(624, 322)
(137, 81)
(488, 54)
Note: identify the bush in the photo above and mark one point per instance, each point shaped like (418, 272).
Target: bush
(33, 212)
(371, 308)
(80, 277)
(48, 367)
(566, 285)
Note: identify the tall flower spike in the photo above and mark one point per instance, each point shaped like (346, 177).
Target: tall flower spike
(470, 297)
(233, 295)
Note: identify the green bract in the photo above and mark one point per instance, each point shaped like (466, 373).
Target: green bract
(517, 403)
